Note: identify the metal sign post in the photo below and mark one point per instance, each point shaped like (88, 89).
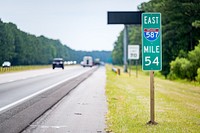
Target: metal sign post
(152, 107)
(136, 68)
(151, 52)
(130, 64)
(125, 48)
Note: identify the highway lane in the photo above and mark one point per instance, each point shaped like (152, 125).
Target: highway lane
(13, 76)
(24, 88)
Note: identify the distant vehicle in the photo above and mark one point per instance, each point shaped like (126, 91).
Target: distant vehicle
(6, 64)
(58, 62)
(87, 61)
(97, 61)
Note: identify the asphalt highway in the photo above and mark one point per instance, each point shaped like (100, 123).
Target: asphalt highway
(25, 96)
(12, 92)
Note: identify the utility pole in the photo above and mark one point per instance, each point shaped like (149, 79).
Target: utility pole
(125, 44)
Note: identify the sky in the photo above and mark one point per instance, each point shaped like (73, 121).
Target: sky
(79, 24)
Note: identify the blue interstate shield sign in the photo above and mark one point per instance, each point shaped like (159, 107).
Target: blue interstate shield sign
(151, 34)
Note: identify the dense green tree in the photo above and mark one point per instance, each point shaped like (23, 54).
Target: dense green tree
(178, 32)
(117, 53)
(186, 68)
(180, 28)
(22, 48)
(198, 75)
(6, 41)
(181, 68)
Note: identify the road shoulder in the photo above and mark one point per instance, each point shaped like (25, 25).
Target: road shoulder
(82, 110)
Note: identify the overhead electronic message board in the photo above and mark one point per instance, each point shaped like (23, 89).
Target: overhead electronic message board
(124, 17)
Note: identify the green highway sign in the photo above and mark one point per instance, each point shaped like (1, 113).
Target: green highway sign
(151, 41)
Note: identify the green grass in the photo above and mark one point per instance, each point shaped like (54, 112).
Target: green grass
(22, 68)
(177, 105)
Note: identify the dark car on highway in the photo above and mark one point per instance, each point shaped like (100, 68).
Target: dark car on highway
(58, 62)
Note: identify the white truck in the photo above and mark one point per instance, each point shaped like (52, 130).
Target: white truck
(87, 61)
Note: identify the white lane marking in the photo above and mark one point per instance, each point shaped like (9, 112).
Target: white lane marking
(43, 126)
(39, 92)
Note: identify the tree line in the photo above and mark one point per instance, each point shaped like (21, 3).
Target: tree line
(180, 30)
(21, 48)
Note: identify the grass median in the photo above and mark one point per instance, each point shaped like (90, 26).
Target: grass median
(177, 105)
(22, 68)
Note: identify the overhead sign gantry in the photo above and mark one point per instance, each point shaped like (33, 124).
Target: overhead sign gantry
(125, 18)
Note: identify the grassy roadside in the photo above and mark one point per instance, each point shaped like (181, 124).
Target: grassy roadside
(177, 105)
(22, 68)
